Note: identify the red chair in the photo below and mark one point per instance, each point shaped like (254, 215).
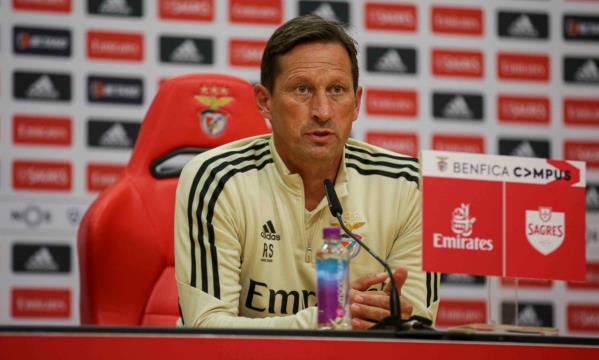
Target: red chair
(125, 240)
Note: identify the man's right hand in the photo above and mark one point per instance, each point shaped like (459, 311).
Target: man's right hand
(370, 307)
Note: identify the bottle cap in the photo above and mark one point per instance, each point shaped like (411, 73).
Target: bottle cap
(331, 232)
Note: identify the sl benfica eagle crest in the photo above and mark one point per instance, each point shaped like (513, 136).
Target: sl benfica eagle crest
(213, 120)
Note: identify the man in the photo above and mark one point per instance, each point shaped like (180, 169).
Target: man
(249, 215)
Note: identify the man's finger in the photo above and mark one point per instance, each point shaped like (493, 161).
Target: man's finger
(365, 282)
(399, 275)
(406, 308)
(374, 298)
(361, 311)
(359, 324)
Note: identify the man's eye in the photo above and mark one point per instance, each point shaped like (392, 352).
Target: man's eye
(302, 89)
(338, 89)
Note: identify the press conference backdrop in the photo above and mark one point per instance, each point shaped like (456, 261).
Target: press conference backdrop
(499, 77)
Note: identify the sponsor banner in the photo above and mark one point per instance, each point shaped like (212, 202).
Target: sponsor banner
(186, 50)
(120, 46)
(457, 20)
(581, 111)
(41, 175)
(592, 197)
(587, 151)
(529, 283)
(124, 8)
(391, 17)
(457, 63)
(581, 27)
(457, 106)
(246, 53)
(337, 11)
(101, 176)
(529, 314)
(391, 102)
(256, 12)
(506, 216)
(41, 303)
(459, 143)
(45, 258)
(60, 6)
(41, 86)
(41, 130)
(40, 216)
(497, 168)
(581, 70)
(591, 280)
(592, 235)
(395, 60)
(191, 10)
(117, 90)
(520, 66)
(523, 109)
(525, 148)
(402, 143)
(522, 25)
(42, 41)
(583, 317)
(463, 280)
(459, 312)
(116, 134)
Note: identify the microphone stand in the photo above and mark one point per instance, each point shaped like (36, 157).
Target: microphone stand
(393, 322)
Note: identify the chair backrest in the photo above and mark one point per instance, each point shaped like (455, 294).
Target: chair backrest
(125, 240)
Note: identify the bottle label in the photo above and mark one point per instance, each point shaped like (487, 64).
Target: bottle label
(333, 292)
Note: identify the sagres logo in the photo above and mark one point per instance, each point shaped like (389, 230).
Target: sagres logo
(457, 63)
(462, 225)
(581, 27)
(523, 109)
(581, 70)
(337, 11)
(127, 8)
(269, 234)
(41, 175)
(104, 89)
(545, 229)
(403, 143)
(523, 25)
(199, 10)
(383, 16)
(41, 41)
(458, 143)
(247, 53)
(41, 86)
(256, 12)
(213, 120)
(186, 50)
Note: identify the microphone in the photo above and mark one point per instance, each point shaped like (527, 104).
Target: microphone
(394, 321)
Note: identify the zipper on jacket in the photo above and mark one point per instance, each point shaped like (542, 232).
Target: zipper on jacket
(308, 256)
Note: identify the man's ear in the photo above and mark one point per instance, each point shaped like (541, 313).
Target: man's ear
(262, 100)
(357, 102)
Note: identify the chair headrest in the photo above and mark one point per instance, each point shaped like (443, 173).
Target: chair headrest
(196, 111)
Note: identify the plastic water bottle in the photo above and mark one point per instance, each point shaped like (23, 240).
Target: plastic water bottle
(332, 272)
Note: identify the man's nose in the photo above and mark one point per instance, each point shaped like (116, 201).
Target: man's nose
(321, 106)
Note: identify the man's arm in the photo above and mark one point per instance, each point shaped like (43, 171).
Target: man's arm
(208, 283)
(421, 289)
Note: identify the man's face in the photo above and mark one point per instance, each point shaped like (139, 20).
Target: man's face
(312, 105)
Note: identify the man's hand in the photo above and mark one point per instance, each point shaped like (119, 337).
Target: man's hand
(369, 307)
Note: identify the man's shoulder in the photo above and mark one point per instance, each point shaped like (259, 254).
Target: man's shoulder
(252, 148)
(372, 153)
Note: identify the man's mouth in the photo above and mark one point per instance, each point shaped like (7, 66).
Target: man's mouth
(320, 135)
